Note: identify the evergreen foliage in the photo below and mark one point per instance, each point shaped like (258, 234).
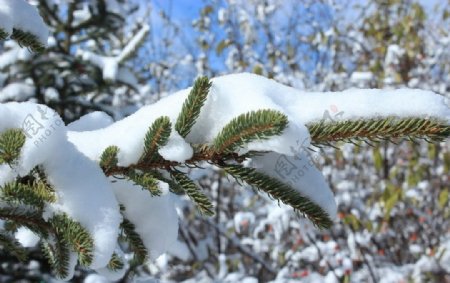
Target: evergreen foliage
(28, 40)
(204, 205)
(11, 141)
(156, 137)
(378, 129)
(135, 241)
(255, 125)
(280, 191)
(192, 106)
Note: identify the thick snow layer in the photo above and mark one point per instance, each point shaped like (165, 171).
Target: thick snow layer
(83, 192)
(92, 121)
(20, 15)
(16, 92)
(155, 218)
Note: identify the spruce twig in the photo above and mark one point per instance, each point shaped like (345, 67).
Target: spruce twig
(377, 129)
(108, 159)
(75, 235)
(27, 39)
(254, 125)
(11, 142)
(194, 193)
(156, 137)
(135, 241)
(281, 191)
(192, 106)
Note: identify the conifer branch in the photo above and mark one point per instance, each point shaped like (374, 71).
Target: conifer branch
(57, 256)
(194, 193)
(36, 194)
(135, 241)
(27, 39)
(115, 263)
(26, 217)
(13, 246)
(281, 191)
(192, 106)
(11, 142)
(156, 137)
(254, 125)
(73, 234)
(376, 129)
(145, 180)
(173, 186)
(108, 159)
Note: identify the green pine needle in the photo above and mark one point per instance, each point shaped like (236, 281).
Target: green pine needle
(192, 106)
(156, 137)
(108, 159)
(194, 193)
(135, 241)
(145, 180)
(36, 194)
(254, 125)
(115, 263)
(10, 244)
(57, 256)
(27, 217)
(174, 187)
(376, 129)
(27, 39)
(281, 191)
(79, 239)
(11, 142)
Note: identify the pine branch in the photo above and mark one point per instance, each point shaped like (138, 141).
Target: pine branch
(108, 159)
(281, 191)
(145, 180)
(192, 106)
(135, 241)
(376, 129)
(156, 137)
(173, 186)
(195, 194)
(115, 263)
(36, 194)
(57, 256)
(27, 39)
(11, 142)
(26, 217)
(13, 246)
(254, 125)
(72, 233)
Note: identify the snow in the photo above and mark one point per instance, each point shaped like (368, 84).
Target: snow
(155, 218)
(83, 192)
(26, 18)
(26, 237)
(112, 65)
(16, 92)
(91, 121)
